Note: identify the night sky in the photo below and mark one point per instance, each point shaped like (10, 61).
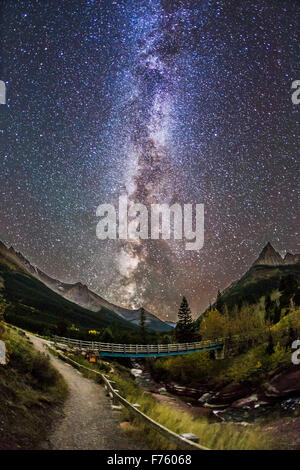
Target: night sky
(170, 101)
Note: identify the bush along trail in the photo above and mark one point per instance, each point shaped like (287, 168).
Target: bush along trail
(32, 393)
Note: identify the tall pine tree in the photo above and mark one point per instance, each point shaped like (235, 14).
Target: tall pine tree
(219, 302)
(143, 324)
(184, 331)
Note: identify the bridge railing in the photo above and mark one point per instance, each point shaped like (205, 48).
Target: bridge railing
(136, 348)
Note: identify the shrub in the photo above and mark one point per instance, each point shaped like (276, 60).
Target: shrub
(43, 372)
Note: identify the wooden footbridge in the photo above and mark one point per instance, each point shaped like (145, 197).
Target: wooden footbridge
(142, 350)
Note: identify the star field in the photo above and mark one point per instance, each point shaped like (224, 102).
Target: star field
(168, 101)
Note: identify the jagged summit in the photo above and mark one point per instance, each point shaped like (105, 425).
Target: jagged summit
(269, 257)
(79, 293)
(292, 259)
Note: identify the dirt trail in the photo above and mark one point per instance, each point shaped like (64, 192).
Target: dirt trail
(88, 422)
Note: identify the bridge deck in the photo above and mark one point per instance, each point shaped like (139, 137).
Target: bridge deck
(140, 350)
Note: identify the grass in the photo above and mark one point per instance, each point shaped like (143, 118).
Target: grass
(219, 436)
(212, 435)
(31, 394)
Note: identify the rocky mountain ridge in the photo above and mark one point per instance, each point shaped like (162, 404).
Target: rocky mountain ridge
(270, 257)
(80, 294)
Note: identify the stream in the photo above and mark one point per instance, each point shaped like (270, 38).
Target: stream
(193, 401)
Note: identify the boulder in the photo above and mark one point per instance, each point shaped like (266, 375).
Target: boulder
(182, 390)
(228, 395)
(286, 383)
(136, 372)
(206, 397)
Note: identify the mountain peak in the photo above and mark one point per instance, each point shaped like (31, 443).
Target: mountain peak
(268, 248)
(269, 257)
(292, 259)
(269, 245)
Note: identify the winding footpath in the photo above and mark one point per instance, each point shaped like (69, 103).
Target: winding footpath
(88, 421)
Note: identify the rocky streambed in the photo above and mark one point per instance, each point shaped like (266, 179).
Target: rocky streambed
(244, 403)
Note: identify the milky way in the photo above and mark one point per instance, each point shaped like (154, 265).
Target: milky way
(166, 101)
